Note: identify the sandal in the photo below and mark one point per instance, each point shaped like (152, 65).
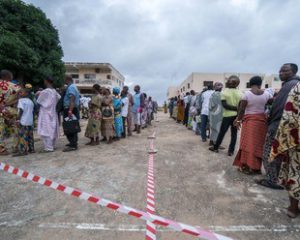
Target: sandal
(4, 153)
(266, 183)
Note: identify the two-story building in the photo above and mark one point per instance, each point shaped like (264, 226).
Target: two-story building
(85, 75)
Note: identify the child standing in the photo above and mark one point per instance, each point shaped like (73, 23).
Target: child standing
(25, 124)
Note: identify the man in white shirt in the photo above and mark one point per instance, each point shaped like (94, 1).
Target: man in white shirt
(124, 111)
(205, 111)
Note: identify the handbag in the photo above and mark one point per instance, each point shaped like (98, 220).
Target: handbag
(107, 112)
(71, 127)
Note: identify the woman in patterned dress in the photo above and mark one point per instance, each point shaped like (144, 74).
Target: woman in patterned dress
(117, 102)
(287, 145)
(94, 124)
(107, 125)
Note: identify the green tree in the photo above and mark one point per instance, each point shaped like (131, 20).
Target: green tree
(29, 44)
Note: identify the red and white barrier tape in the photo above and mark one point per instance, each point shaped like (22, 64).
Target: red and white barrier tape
(150, 227)
(157, 220)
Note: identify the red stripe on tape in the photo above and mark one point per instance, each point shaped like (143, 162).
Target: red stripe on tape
(47, 183)
(6, 167)
(76, 193)
(15, 171)
(93, 199)
(61, 187)
(25, 174)
(35, 178)
(150, 229)
(113, 206)
(135, 214)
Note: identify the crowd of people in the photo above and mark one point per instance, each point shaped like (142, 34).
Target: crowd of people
(268, 121)
(111, 116)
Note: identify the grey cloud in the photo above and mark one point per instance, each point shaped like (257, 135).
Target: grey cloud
(159, 43)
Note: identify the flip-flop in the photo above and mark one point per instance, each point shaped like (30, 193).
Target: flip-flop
(4, 153)
(266, 183)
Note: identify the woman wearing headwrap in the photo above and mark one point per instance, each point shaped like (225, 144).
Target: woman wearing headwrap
(252, 118)
(118, 121)
(107, 125)
(215, 113)
(287, 145)
(94, 123)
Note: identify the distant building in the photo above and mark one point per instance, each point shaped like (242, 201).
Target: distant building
(198, 81)
(85, 75)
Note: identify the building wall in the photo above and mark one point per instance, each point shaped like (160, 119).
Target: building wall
(197, 81)
(86, 75)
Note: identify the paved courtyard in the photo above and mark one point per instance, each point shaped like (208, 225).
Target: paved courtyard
(192, 184)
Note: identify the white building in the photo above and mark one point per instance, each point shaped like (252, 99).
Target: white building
(197, 81)
(85, 75)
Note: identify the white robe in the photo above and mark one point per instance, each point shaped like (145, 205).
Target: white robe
(48, 125)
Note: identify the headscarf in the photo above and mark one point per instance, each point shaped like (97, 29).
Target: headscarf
(116, 90)
(218, 86)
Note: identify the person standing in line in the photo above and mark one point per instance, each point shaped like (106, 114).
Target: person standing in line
(252, 118)
(198, 105)
(137, 108)
(155, 110)
(8, 110)
(287, 145)
(192, 110)
(71, 109)
(165, 107)
(170, 107)
(287, 74)
(230, 97)
(175, 108)
(93, 128)
(48, 123)
(129, 119)
(215, 113)
(84, 104)
(25, 124)
(144, 115)
(205, 111)
(180, 110)
(149, 111)
(187, 104)
(125, 110)
(107, 125)
(118, 122)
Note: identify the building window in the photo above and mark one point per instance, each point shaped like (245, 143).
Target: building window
(248, 85)
(189, 86)
(266, 85)
(208, 83)
(90, 76)
(183, 88)
(108, 77)
(75, 76)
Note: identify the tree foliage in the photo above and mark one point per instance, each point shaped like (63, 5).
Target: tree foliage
(29, 44)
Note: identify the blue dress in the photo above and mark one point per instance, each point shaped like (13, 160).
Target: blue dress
(117, 102)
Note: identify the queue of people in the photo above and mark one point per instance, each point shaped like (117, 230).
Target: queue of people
(111, 116)
(269, 124)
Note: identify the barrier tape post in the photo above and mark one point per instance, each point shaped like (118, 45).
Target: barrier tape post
(155, 219)
(150, 227)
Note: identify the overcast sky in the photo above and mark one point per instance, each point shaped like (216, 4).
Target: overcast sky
(157, 43)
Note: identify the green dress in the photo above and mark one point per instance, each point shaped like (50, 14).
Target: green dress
(93, 128)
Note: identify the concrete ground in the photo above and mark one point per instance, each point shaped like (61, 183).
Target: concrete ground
(193, 185)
